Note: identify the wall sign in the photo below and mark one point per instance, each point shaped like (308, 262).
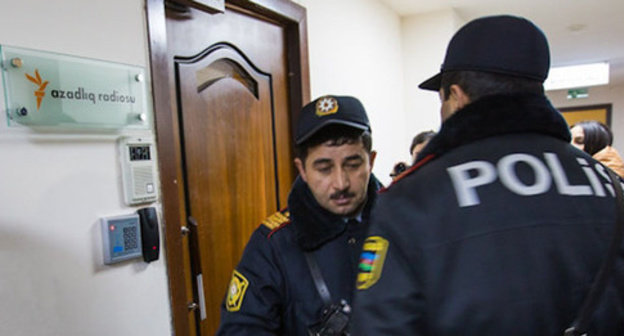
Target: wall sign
(54, 90)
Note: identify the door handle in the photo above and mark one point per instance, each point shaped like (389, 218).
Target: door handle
(196, 267)
(200, 294)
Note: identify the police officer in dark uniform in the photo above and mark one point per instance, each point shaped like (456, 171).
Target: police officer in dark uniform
(501, 225)
(297, 273)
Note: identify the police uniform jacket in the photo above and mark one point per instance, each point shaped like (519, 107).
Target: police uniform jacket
(498, 229)
(272, 291)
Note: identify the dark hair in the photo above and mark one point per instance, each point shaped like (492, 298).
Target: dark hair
(478, 84)
(420, 138)
(596, 136)
(337, 135)
(398, 169)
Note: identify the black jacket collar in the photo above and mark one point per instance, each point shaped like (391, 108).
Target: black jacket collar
(313, 225)
(497, 115)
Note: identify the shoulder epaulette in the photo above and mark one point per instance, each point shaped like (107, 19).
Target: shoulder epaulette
(277, 219)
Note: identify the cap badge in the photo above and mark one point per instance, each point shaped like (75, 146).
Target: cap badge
(326, 106)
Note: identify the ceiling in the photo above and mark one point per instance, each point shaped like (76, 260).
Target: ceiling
(579, 31)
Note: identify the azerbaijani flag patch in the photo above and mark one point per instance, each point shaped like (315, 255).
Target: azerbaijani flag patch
(371, 261)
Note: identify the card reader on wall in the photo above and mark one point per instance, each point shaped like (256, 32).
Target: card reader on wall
(121, 238)
(149, 233)
(138, 168)
(131, 236)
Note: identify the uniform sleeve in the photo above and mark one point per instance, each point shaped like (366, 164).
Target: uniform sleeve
(388, 299)
(252, 304)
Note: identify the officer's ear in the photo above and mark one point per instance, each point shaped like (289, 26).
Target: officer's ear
(459, 96)
(371, 158)
(301, 168)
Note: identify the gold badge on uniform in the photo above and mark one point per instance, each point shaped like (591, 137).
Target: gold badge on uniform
(326, 105)
(276, 219)
(236, 292)
(371, 261)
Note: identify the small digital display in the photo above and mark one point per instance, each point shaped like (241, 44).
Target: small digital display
(138, 153)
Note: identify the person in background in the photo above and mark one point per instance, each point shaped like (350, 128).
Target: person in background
(419, 142)
(398, 169)
(297, 273)
(596, 139)
(501, 225)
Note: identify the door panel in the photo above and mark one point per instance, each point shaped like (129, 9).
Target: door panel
(231, 102)
(262, 47)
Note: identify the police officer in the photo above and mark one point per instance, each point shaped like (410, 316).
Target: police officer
(501, 225)
(297, 273)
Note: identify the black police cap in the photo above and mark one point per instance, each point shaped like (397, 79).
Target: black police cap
(501, 44)
(327, 110)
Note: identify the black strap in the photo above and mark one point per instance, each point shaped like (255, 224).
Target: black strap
(319, 282)
(581, 324)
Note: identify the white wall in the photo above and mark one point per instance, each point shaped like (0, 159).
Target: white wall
(599, 95)
(55, 187)
(355, 49)
(424, 40)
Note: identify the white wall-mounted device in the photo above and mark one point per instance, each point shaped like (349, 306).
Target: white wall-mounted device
(138, 168)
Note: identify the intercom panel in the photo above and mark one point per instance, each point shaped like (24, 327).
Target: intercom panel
(138, 166)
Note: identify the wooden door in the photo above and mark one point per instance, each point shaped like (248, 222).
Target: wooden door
(234, 81)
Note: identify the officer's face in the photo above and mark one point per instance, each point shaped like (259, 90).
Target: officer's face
(578, 137)
(417, 149)
(338, 176)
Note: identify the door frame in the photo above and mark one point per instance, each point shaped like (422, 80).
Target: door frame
(176, 241)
